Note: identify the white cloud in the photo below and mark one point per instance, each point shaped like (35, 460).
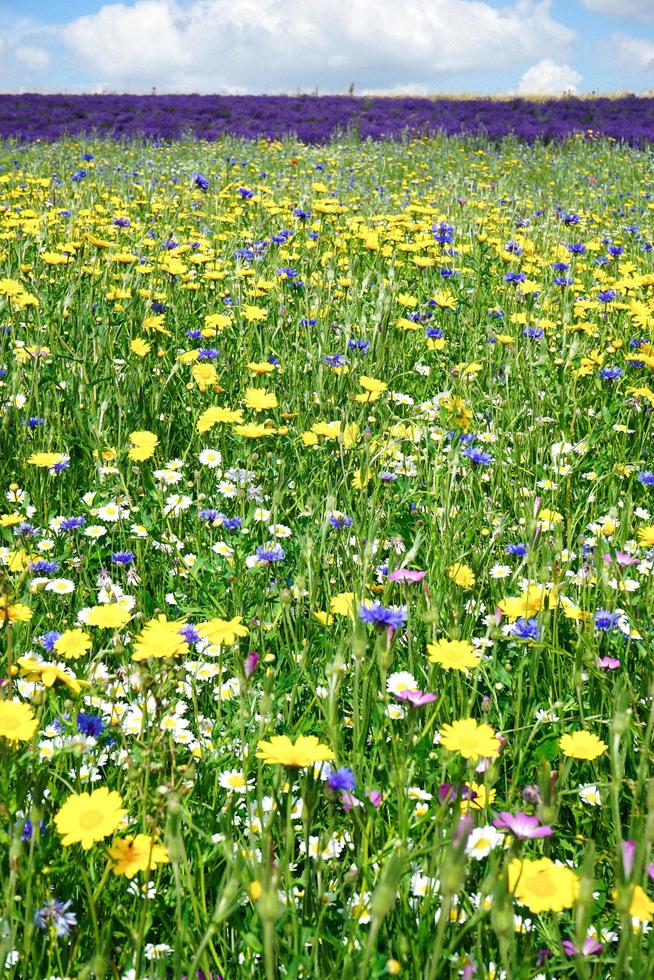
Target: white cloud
(548, 78)
(632, 53)
(31, 57)
(641, 9)
(283, 45)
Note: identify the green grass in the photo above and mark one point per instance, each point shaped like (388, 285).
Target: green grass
(397, 889)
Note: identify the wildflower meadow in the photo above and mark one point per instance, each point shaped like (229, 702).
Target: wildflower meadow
(326, 558)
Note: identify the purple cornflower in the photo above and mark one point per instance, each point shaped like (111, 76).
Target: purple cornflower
(122, 557)
(89, 724)
(250, 663)
(381, 616)
(521, 825)
(525, 629)
(190, 633)
(340, 521)
(342, 779)
(48, 640)
(44, 566)
(55, 914)
(605, 620)
(478, 456)
(270, 553)
(72, 523)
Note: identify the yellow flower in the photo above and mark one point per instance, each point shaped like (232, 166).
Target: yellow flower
(372, 387)
(216, 322)
(17, 721)
(8, 520)
(542, 885)
(453, 654)
(222, 631)
(73, 644)
(215, 414)
(483, 797)
(304, 752)
(140, 347)
(112, 615)
(582, 745)
(160, 638)
(204, 375)
(462, 575)
(46, 460)
(259, 399)
(646, 535)
(88, 817)
(252, 430)
(16, 612)
(260, 367)
(471, 739)
(641, 906)
(48, 674)
(342, 604)
(144, 444)
(253, 313)
(132, 854)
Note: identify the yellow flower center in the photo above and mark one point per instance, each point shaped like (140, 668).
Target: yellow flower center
(90, 819)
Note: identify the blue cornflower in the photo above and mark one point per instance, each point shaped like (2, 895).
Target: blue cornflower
(208, 353)
(525, 629)
(435, 333)
(605, 620)
(381, 616)
(610, 373)
(88, 724)
(513, 247)
(478, 456)
(334, 360)
(122, 557)
(363, 346)
(79, 175)
(576, 248)
(48, 640)
(55, 914)
(607, 295)
(231, 523)
(533, 333)
(210, 514)
(339, 521)
(342, 779)
(158, 307)
(515, 277)
(245, 193)
(33, 422)
(646, 477)
(194, 334)
(121, 222)
(44, 566)
(563, 281)
(520, 550)
(200, 181)
(72, 523)
(190, 633)
(270, 553)
(560, 266)
(443, 233)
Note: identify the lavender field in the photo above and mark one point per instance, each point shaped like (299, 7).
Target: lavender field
(316, 119)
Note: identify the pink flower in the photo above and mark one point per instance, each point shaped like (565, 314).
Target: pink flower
(416, 698)
(522, 826)
(608, 663)
(406, 575)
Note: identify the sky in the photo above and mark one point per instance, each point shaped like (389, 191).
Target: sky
(417, 47)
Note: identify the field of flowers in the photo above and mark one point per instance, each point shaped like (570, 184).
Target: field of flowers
(326, 571)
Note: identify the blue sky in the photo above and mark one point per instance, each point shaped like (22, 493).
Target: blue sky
(421, 46)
